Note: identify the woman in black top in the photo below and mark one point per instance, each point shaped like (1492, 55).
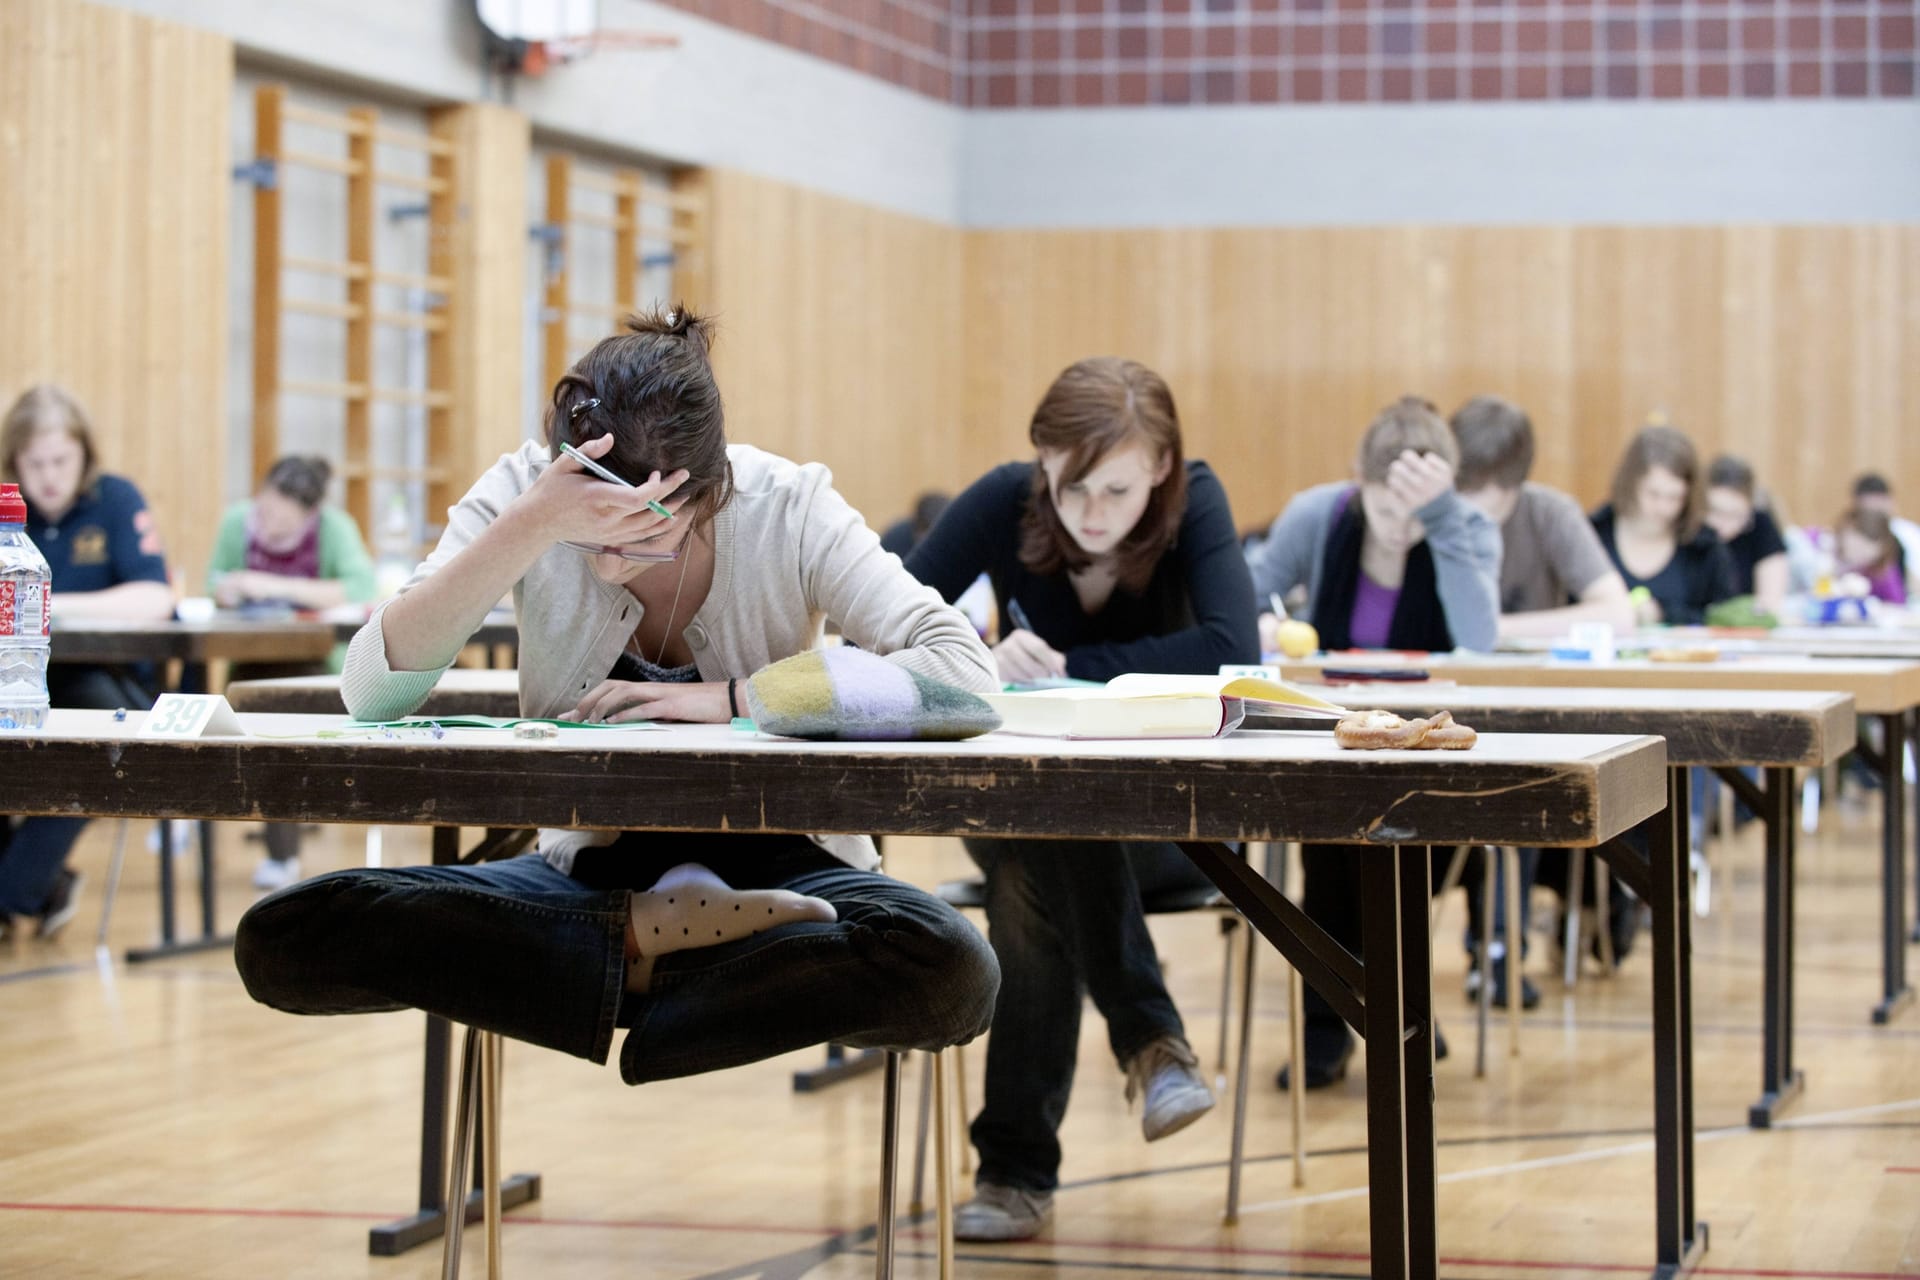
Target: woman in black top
(1750, 532)
(1108, 554)
(1652, 529)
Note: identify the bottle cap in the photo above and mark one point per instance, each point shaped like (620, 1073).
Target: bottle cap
(13, 507)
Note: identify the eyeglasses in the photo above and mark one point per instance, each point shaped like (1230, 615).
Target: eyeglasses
(633, 553)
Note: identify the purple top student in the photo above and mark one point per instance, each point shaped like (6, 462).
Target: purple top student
(1395, 558)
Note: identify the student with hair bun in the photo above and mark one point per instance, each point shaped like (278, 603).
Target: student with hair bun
(628, 614)
(286, 546)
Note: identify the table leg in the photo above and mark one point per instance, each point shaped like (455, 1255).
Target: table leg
(390, 1239)
(169, 944)
(1679, 1239)
(193, 678)
(1895, 994)
(1416, 987)
(1383, 934)
(1913, 735)
(1779, 1082)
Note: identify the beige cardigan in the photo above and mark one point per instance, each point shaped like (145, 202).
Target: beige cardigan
(789, 553)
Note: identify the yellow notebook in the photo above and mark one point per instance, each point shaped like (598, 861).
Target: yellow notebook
(1153, 706)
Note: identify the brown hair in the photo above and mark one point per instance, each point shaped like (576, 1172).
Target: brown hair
(1496, 443)
(1670, 450)
(46, 408)
(301, 479)
(653, 388)
(1876, 527)
(1729, 472)
(1095, 406)
(1408, 423)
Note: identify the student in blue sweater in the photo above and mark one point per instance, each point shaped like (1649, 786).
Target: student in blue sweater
(1108, 553)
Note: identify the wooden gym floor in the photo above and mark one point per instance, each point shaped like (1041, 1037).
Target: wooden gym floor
(154, 1122)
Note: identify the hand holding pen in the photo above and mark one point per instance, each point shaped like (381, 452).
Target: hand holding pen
(589, 506)
(1022, 654)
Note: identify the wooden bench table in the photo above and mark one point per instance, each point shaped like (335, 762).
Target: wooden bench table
(1568, 791)
(1717, 729)
(1886, 689)
(229, 637)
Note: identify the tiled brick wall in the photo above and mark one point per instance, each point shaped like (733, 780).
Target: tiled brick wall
(916, 44)
(1090, 53)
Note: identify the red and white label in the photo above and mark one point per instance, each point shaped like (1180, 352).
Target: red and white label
(24, 610)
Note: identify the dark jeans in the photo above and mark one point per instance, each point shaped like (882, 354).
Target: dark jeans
(519, 948)
(1330, 896)
(1065, 920)
(282, 838)
(33, 852)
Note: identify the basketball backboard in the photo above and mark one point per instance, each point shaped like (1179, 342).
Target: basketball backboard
(536, 21)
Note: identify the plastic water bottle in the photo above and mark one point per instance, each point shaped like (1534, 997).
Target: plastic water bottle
(26, 618)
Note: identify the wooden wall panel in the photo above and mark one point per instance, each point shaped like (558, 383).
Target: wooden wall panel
(1797, 346)
(838, 337)
(485, 258)
(114, 207)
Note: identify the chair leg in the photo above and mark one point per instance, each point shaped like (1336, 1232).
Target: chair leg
(491, 1053)
(1516, 944)
(960, 1106)
(1242, 1070)
(113, 881)
(1603, 916)
(1576, 893)
(1296, 1091)
(454, 1207)
(1483, 1002)
(917, 1204)
(1456, 867)
(889, 1165)
(1229, 926)
(943, 1164)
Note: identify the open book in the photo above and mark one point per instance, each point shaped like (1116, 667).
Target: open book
(1154, 706)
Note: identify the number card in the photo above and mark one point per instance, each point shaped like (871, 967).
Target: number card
(192, 715)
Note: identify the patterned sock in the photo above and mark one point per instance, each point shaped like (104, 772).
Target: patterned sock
(691, 907)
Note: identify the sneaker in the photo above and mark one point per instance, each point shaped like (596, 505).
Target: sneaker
(1529, 994)
(276, 874)
(1329, 1047)
(183, 831)
(1002, 1213)
(1167, 1074)
(62, 904)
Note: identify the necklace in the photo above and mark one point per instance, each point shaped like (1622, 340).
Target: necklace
(672, 612)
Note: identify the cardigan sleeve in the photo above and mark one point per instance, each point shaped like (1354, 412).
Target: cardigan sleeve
(875, 602)
(1465, 545)
(229, 544)
(1285, 557)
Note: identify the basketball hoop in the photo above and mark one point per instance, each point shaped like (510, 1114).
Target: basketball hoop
(531, 37)
(542, 56)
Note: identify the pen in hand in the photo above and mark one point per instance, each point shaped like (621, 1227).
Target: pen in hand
(611, 478)
(1019, 616)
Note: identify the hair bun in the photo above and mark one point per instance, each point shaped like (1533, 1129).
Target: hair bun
(677, 321)
(322, 469)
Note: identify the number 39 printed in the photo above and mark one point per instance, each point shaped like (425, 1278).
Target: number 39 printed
(179, 715)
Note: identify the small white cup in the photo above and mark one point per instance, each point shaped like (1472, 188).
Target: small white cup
(1596, 638)
(194, 609)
